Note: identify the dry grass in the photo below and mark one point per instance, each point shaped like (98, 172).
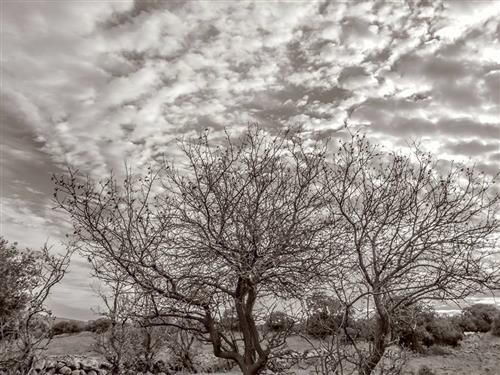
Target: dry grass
(72, 344)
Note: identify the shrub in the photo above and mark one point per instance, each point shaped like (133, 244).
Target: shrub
(185, 352)
(326, 315)
(418, 325)
(495, 326)
(466, 323)
(409, 323)
(425, 370)
(26, 280)
(279, 321)
(67, 326)
(321, 324)
(478, 317)
(100, 325)
(444, 331)
(364, 328)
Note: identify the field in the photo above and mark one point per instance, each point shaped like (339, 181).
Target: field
(478, 354)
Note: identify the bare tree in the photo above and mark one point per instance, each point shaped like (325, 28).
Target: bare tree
(239, 227)
(27, 279)
(115, 344)
(183, 348)
(414, 230)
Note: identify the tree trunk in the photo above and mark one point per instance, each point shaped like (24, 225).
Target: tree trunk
(380, 342)
(255, 358)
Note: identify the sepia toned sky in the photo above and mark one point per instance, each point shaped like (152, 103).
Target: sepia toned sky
(94, 83)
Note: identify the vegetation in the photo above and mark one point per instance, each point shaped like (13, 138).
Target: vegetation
(67, 326)
(326, 315)
(411, 232)
(443, 331)
(100, 325)
(425, 370)
(238, 225)
(478, 317)
(279, 321)
(495, 326)
(206, 251)
(26, 277)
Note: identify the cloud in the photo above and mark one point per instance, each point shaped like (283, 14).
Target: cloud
(92, 84)
(472, 148)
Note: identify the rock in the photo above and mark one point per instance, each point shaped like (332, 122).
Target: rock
(40, 364)
(72, 362)
(91, 372)
(105, 366)
(89, 363)
(65, 371)
(103, 372)
(50, 363)
(60, 365)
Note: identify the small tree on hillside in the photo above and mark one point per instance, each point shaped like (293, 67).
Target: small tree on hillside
(412, 232)
(26, 279)
(241, 224)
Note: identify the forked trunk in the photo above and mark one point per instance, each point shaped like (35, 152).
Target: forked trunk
(381, 335)
(255, 358)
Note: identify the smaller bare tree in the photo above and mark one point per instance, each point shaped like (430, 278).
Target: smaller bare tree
(115, 344)
(413, 231)
(132, 341)
(183, 348)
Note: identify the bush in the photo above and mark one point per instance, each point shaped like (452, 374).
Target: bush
(321, 324)
(326, 315)
(418, 325)
(100, 325)
(495, 326)
(409, 326)
(478, 317)
(444, 331)
(279, 321)
(67, 326)
(364, 328)
(425, 370)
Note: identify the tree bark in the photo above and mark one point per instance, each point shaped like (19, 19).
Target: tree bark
(381, 334)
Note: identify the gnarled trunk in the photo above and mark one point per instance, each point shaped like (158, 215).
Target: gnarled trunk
(255, 357)
(381, 335)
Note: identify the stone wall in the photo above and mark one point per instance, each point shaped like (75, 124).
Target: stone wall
(71, 365)
(74, 365)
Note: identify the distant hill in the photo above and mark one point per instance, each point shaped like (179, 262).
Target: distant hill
(58, 319)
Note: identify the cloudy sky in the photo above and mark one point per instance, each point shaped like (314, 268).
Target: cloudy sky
(91, 83)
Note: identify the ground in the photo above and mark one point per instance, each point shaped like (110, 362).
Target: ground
(479, 354)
